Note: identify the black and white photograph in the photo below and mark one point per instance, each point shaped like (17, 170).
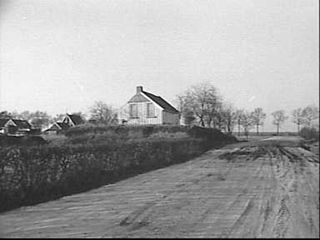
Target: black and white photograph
(159, 119)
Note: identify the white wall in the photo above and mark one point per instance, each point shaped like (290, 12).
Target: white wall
(142, 114)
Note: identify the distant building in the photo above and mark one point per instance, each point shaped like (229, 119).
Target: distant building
(68, 121)
(72, 120)
(14, 127)
(147, 108)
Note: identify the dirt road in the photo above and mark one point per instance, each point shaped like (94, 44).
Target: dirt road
(253, 190)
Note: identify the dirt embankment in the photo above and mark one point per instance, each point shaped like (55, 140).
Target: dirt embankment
(267, 190)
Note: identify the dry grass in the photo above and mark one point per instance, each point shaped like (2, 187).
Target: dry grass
(55, 140)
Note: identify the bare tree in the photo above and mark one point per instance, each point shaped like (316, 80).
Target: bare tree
(26, 115)
(297, 117)
(202, 101)
(238, 117)
(189, 117)
(103, 113)
(246, 122)
(185, 110)
(278, 118)
(39, 119)
(258, 117)
(309, 114)
(4, 114)
(229, 117)
(58, 117)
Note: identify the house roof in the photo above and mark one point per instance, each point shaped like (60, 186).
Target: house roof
(57, 126)
(3, 121)
(76, 119)
(161, 102)
(62, 125)
(22, 124)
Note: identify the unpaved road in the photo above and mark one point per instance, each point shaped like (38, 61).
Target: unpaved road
(253, 190)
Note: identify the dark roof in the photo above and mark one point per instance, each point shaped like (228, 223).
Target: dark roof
(76, 119)
(161, 102)
(57, 126)
(20, 123)
(63, 126)
(3, 121)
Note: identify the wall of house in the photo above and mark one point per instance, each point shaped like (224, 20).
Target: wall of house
(142, 114)
(170, 118)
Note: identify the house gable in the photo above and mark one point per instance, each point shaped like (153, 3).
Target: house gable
(55, 127)
(138, 98)
(10, 122)
(67, 120)
(72, 120)
(14, 126)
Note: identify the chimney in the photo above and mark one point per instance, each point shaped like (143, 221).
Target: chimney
(139, 89)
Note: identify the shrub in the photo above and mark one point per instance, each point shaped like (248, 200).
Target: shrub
(309, 133)
(21, 140)
(125, 132)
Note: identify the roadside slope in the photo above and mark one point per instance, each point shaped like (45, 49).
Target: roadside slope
(265, 191)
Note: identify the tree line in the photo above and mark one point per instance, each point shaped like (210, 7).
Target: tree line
(201, 105)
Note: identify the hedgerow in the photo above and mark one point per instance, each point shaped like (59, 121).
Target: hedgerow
(30, 175)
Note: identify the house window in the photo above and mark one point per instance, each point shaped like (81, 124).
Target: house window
(133, 111)
(150, 110)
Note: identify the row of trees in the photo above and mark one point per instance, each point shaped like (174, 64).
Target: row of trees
(202, 105)
(199, 105)
(301, 117)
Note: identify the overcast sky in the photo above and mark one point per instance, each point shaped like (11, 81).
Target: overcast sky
(62, 55)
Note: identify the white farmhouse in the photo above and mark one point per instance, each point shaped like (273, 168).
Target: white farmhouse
(147, 108)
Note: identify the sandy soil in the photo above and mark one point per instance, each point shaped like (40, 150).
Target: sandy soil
(268, 189)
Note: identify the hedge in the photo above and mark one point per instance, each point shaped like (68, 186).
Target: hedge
(30, 175)
(33, 174)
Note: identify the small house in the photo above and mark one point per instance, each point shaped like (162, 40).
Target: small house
(68, 121)
(14, 127)
(147, 108)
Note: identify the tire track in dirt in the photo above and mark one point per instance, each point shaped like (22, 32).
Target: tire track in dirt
(242, 204)
(292, 180)
(307, 184)
(285, 178)
(252, 220)
(144, 215)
